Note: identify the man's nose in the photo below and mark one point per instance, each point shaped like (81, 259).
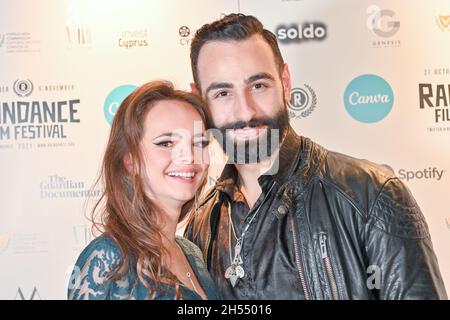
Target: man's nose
(245, 108)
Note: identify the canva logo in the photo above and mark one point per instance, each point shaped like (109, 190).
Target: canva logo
(368, 98)
(114, 99)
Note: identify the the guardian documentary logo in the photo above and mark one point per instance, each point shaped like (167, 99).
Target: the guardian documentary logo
(368, 98)
(114, 99)
(28, 118)
(298, 33)
(302, 103)
(56, 186)
(431, 173)
(383, 23)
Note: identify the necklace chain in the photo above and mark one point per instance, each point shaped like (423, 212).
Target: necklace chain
(240, 240)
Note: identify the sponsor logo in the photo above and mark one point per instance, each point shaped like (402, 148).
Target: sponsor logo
(2, 39)
(114, 99)
(435, 97)
(38, 120)
(22, 42)
(368, 98)
(424, 174)
(443, 22)
(302, 103)
(4, 242)
(186, 35)
(56, 186)
(383, 23)
(23, 88)
(297, 33)
(78, 33)
(133, 39)
(33, 296)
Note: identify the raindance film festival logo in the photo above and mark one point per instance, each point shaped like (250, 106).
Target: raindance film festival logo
(435, 98)
(133, 39)
(297, 33)
(383, 24)
(186, 35)
(114, 99)
(37, 120)
(443, 22)
(368, 98)
(303, 102)
(55, 186)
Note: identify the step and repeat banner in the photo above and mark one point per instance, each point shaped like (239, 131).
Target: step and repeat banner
(370, 79)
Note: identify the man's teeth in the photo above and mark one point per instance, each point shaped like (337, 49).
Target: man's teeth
(181, 174)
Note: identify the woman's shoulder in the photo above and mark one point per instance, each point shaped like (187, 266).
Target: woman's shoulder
(101, 247)
(89, 279)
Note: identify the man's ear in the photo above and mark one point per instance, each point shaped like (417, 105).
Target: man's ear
(194, 89)
(286, 81)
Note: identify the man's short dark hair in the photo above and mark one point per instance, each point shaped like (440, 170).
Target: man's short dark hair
(235, 26)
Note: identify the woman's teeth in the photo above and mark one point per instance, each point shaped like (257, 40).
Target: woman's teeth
(186, 175)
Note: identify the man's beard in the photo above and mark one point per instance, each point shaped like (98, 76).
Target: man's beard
(257, 149)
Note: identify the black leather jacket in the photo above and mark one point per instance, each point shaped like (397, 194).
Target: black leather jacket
(358, 232)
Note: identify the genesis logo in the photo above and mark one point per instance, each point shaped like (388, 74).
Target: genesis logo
(381, 22)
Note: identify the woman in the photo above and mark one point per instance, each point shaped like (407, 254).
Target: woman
(154, 164)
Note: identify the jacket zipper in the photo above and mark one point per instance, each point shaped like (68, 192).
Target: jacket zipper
(328, 268)
(298, 262)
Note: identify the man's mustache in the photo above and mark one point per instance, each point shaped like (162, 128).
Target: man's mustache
(249, 124)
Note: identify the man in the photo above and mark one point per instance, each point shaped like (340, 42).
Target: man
(317, 224)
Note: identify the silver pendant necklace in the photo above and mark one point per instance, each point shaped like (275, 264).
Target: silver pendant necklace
(236, 270)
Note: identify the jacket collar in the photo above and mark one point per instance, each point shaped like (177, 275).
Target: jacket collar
(288, 161)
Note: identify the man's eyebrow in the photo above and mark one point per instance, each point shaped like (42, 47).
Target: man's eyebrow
(218, 85)
(259, 76)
